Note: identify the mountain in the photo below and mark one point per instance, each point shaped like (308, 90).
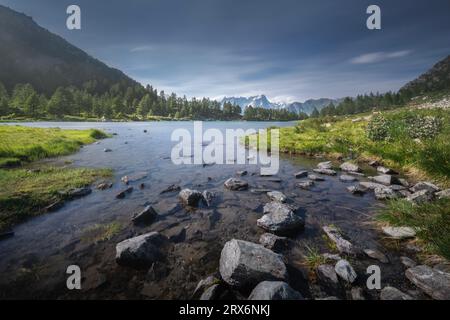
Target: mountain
(262, 102)
(32, 54)
(434, 80)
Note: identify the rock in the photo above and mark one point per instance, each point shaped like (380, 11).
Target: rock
(78, 192)
(325, 171)
(313, 177)
(343, 245)
(385, 193)
(104, 186)
(385, 179)
(236, 184)
(208, 197)
(134, 178)
(397, 187)
(374, 163)
(328, 298)
(433, 282)
(348, 166)
(171, 188)
(242, 173)
(327, 277)
(301, 174)
(140, 251)
(190, 197)
(277, 196)
(425, 186)
(345, 271)
(443, 194)
(403, 182)
(347, 178)
(331, 256)
(407, 262)
(146, 216)
(260, 190)
(370, 185)
(273, 242)
(274, 290)
(245, 264)
(444, 267)
(357, 293)
(325, 165)
(203, 285)
(377, 255)
(399, 232)
(212, 293)
(357, 189)
(123, 193)
(420, 197)
(385, 170)
(391, 293)
(280, 219)
(107, 150)
(145, 131)
(359, 174)
(305, 184)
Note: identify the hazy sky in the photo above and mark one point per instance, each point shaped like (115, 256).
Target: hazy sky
(286, 49)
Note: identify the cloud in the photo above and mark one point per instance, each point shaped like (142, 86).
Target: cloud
(374, 57)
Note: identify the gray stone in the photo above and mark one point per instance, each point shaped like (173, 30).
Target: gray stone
(190, 197)
(391, 293)
(140, 251)
(348, 166)
(146, 216)
(123, 193)
(274, 290)
(277, 196)
(430, 187)
(385, 179)
(331, 256)
(377, 255)
(325, 165)
(208, 197)
(171, 188)
(385, 170)
(280, 219)
(242, 173)
(325, 171)
(211, 293)
(273, 242)
(370, 185)
(443, 194)
(407, 262)
(403, 182)
(327, 277)
(314, 177)
(357, 189)
(421, 196)
(385, 193)
(399, 232)
(236, 184)
(245, 264)
(343, 245)
(203, 285)
(345, 271)
(305, 184)
(347, 178)
(433, 282)
(107, 150)
(301, 174)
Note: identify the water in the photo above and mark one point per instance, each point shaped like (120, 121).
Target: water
(33, 262)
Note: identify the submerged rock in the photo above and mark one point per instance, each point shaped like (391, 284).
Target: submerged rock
(358, 189)
(146, 216)
(190, 197)
(242, 173)
(245, 264)
(104, 186)
(305, 184)
(236, 184)
(274, 290)
(280, 219)
(107, 150)
(273, 242)
(345, 271)
(348, 166)
(347, 178)
(208, 197)
(377, 255)
(325, 165)
(433, 282)
(399, 232)
(325, 171)
(140, 251)
(314, 177)
(301, 174)
(171, 188)
(343, 245)
(277, 196)
(123, 193)
(391, 293)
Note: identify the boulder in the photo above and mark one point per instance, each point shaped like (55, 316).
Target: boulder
(385, 193)
(432, 188)
(314, 177)
(277, 196)
(123, 193)
(273, 242)
(385, 170)
(327, 278)
(325, 165)
(377, 255)
(244, 264)
(140, 251)
(146, 216)
(385, 179)
(443, 194)
(345, 271)
(274, 290)
(236, 184)
(343, 245)
(408, 262)
(208, 197)
(305, 184)
(370, 185)
(347, 178)
(433, 282)
(280, 218)
(325, 171)
(301, 174)
(420, 196)
(190, 197)
(348, 166)
(391, 293)
(358, 189)
(399, 232)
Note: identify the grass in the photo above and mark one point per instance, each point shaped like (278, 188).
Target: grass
(25, 194)
(101, 232)
(20, 144)
(431, 221)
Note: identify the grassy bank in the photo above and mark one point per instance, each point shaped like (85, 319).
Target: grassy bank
(25, 193)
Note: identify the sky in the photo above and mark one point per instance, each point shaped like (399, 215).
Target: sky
(289, 50)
